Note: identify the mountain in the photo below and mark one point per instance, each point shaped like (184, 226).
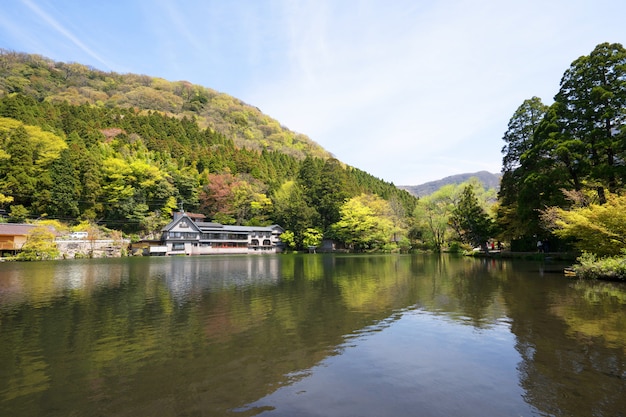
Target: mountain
(76, 84)
(488, 179)
(125, 150)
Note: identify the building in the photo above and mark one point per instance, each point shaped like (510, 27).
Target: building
(187, 235)
(13, 236)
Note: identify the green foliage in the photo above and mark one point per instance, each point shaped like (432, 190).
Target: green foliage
(312, 237)
(576, 144)
(5, 199)
(366, 223)
(18, 214)
(470, 220)
(432, 216)
(39, 246)
(434, 213)
(288, 238)
(596, 228)
(516, 214)
(609, 268)
(292, 211)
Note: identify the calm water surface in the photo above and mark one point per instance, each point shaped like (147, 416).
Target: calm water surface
(308, 335)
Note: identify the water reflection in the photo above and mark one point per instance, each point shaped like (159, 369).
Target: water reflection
(410, 360)
(280, 334)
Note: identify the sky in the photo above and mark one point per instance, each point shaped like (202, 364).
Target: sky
(409, 91)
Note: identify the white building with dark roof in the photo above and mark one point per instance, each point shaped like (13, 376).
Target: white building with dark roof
(186, 235)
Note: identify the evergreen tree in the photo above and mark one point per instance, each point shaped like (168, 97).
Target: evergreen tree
(64, 188)
(470, 220)
(591, 114)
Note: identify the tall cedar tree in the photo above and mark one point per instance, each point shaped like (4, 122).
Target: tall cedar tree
(470, 220)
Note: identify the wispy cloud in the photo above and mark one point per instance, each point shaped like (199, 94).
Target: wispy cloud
(52, 22)
(407, 90)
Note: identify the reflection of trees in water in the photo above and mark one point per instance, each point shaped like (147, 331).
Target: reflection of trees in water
(161, 328)
(186, 336)
(465, 289)
(568, 368)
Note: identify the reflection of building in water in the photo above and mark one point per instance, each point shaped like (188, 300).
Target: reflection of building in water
(188, 235)
(90, 275)
(187, 276)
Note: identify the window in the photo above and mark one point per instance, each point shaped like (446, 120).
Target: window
(178, 246)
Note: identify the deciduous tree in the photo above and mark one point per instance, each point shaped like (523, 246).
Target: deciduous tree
(365, 223)
(595, 228)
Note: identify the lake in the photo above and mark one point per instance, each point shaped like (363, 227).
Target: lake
(309, 335)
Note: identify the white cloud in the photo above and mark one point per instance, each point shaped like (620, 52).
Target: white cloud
(374, 85)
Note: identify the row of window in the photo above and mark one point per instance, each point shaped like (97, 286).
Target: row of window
(224, 236)
(183, 235)
(208, 236)
(181, 246)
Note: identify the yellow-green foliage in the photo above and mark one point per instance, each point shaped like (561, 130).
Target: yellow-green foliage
(48, 146)
(39, 245)
(598, 229)
(366, 222)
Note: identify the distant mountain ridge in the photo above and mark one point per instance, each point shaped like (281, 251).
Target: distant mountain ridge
(488, 179)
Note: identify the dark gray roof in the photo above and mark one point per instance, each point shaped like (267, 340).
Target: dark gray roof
(210, 225)
(207, 226)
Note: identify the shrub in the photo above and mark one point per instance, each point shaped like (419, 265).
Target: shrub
(609, 268)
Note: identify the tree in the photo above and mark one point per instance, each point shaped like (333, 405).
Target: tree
(519, 140)
(432, 215)
(288, 238)
(65, 187)
(578, 144)
(470, 220)
(312, 237)
(591, 114)
(596, 228)
(365, 223)
(521, 130)
(17, 175)
(433, 212)
(5, 199)
(292, 211)
(217, 195)
(334, 189)
(18, 214)
(39, 245)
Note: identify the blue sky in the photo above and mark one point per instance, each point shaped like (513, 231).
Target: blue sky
(407, 90)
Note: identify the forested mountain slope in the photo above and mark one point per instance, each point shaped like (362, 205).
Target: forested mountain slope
(73, 83)
(124, 151)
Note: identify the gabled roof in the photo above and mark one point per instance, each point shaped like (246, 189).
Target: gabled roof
(174, 222)
(196, 216)
(15, 229)
(211, 226)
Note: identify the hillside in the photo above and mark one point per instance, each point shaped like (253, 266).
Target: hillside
(75, 84)
(124, 151)
(488, 179)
